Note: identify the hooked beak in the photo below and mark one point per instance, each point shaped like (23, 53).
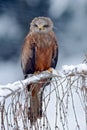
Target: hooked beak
(41, 27)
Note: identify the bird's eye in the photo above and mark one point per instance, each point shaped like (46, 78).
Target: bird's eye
(46, 25)
(35, 25)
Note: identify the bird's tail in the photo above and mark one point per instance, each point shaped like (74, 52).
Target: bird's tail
(35, 110)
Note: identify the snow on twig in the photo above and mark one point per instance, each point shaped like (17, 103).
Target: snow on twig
(7, 90)
(75, 69)
(66, 85)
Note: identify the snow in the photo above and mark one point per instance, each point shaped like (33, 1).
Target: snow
(80, 68)
(10, 88)
(66, 70)
(7, 90)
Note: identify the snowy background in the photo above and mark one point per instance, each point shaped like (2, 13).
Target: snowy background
(70, 26)
(70, 20)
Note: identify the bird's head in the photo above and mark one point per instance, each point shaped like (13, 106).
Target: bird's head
(41, 25)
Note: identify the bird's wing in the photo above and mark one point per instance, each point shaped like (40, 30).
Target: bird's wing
(55, 54)
(28, 56)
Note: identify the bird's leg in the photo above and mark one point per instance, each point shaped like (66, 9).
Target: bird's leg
(50, 70)
(36, 72)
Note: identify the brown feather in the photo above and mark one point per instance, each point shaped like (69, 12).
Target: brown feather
(44, 46)
(39, 53)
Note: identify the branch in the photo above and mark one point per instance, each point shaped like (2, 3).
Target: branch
(67, 85)
(9, 89)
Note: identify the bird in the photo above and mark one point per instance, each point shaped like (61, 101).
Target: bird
(39, 53)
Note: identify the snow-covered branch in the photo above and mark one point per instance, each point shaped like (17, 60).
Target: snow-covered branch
(66, 90)
(75, 69)
(11, 88)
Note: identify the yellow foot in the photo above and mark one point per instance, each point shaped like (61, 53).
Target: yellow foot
(36, 72)
(50, 70)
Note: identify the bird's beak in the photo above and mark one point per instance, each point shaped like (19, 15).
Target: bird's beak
(41, 27)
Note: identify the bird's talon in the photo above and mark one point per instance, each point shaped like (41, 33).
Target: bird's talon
(36, 72)
(50, 70)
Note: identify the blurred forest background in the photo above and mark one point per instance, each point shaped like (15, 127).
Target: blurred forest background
(70, 26)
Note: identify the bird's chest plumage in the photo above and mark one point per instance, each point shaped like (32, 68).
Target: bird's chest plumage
(43, 55)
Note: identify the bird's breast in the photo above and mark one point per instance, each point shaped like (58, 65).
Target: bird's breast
(43, 58)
